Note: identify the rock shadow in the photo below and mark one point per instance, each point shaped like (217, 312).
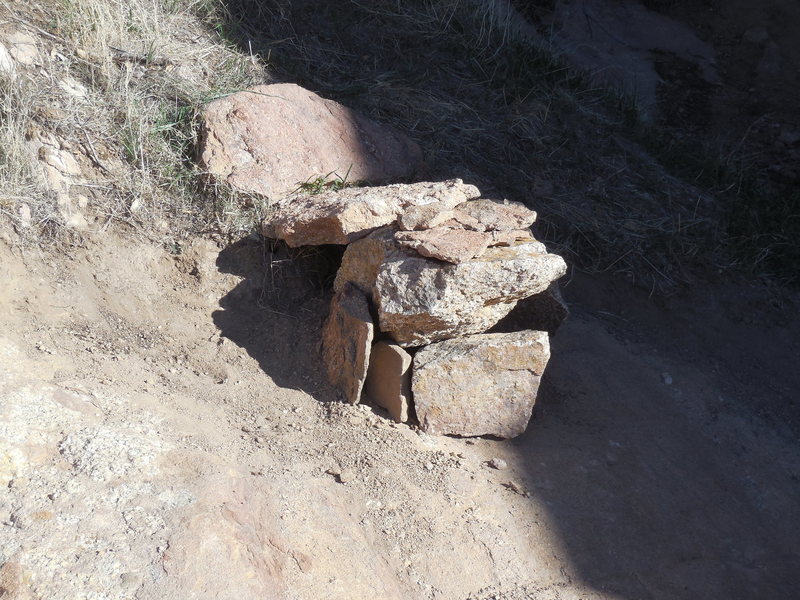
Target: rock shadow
(276, 312)
(655, 496)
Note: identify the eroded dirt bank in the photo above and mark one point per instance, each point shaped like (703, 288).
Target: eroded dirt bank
(166, 433)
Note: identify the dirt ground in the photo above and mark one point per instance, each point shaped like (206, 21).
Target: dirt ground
(166, 430)
(167, 434)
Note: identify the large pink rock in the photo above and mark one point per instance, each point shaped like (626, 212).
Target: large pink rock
(272, 138)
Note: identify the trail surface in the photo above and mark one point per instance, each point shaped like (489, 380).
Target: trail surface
(166, 433)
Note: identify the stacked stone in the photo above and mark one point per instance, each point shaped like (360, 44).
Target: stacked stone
(429, 269)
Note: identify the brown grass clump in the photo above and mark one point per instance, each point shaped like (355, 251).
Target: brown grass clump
(118, 85)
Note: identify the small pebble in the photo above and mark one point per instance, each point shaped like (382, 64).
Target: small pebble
(429, 466)
(498, 463)
(346, 476)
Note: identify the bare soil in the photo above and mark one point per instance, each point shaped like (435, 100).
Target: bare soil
(166, 430)
(167, 434)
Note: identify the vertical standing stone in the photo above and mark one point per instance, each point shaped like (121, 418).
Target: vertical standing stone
(346, 342)
(389, 379)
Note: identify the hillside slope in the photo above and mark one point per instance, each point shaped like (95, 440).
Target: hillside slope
(166, 430)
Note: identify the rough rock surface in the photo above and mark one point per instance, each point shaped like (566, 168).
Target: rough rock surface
(479, 385)
(341, 217)
(462, 220)
(425, 216)
(494, 215)
(545, 311)
(389, 379)
(443, 243)
(270, 139)
(420, 300)
(346, 342)
(509, 238)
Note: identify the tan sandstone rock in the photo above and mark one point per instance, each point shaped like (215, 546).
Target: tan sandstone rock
(346, 342)
(494, 215)
(425, 216)
(509, 238)
(420, 300)
(462, 220)
(270, 139)
(479, 385)
(443, 243)
(389, 379)
(341, 217)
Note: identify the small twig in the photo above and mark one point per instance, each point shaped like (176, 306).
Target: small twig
(35, 28)
(93, 153)
(121, 55)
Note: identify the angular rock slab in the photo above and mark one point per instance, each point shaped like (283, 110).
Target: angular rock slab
(346, 342)
(269, 139)
(443, 243)
(389, 379)
(421, 300)
(427, 216)
(479, 385)
(341, 217)
(494, 215)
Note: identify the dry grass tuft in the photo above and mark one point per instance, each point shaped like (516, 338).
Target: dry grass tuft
(119, 85)
(465, 78)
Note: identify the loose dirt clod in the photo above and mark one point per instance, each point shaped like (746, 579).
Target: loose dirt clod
(498, 463)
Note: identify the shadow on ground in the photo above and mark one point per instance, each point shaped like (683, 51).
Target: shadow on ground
(660, 485)
(276, 312)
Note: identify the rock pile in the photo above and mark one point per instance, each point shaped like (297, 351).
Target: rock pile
(444, 300)
(428, 269)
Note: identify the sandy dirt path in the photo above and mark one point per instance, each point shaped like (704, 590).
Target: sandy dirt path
(165, 433)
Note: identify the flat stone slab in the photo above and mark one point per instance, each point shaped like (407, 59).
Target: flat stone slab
(347, 341)
(270, 139)
(421, 300)
(425, 216)
(496, 215)
(479, 385)
(443, 243)
(344, 216)
(389, 379)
